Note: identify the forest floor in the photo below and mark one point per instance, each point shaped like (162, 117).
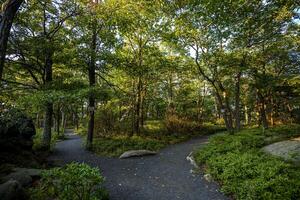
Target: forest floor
(167, 175)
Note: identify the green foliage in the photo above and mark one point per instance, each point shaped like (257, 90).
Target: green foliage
(71, 182)
(154, 138)
(246, 172)
(12, 119)
(37, 140)
(108, 120)
(116, 145)
(180, 125)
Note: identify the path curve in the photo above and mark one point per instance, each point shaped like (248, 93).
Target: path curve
(165, 176)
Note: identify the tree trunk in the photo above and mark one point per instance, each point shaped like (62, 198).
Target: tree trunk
(142, 112)
(92, 82)
(246, 115)
(7, 15)
(171, 95)
(237, 102)
(38, 120)
(47, 126)
(133, 108)
(272, 111)
(49, 105)
(91, 124)
(63, 119)
(58, 120)
(262, 111)
(200, 104)
(138, 107)
(226, 112)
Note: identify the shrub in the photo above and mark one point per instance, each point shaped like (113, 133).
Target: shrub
(72, 182)
(243, 170)
(109, 122)
(37, 140)
(180, 125)
(115, 146)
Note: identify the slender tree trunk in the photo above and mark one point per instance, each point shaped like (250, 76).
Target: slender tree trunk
(77, 118)
(63, 119)
(262, 111)
(38, 120)
(92, 82)
(138, 107)
(200, 104)
(171, 95)
(58, 120)
(91, 123)
(10, 8)
(49, 105)
(133, 100)
(47, 126)
(272, 111)
(237, 102)
(229, 119)
(226, 112)
(217, 109)
(246, 115)
(142, 111)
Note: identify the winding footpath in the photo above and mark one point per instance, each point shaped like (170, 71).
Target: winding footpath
(165, 176)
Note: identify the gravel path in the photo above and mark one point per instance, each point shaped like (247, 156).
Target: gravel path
(165, 176)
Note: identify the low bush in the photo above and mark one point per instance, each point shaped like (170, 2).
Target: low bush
(153, 138)
(38, 138)
(72, 182)
(116, 145)
(244, 171)
(180, 125)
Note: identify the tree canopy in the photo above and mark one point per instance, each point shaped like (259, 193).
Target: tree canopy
(115, 64)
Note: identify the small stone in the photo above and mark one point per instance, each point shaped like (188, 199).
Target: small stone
(191, 158)
(208, 177)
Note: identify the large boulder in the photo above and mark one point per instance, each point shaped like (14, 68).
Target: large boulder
(16, 131)
(11, 190)
(135, 153)
(288, 150)
(23, 175)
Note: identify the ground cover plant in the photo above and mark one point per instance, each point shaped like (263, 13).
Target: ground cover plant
(244, 171)
(72, 182)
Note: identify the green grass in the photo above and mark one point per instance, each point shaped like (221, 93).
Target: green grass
(153, 138)
(244, 171)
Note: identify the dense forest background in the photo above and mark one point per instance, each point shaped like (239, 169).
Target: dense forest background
(118, 67)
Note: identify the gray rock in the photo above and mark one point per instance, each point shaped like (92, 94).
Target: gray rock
(288, 150)
(23, 176)
(135, 153)
(11, 190)
(191, 159)
(16, 131)
(31, 172)
(208, 177)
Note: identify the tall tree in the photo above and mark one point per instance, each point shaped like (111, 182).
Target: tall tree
(8, 11)
(35, 43)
